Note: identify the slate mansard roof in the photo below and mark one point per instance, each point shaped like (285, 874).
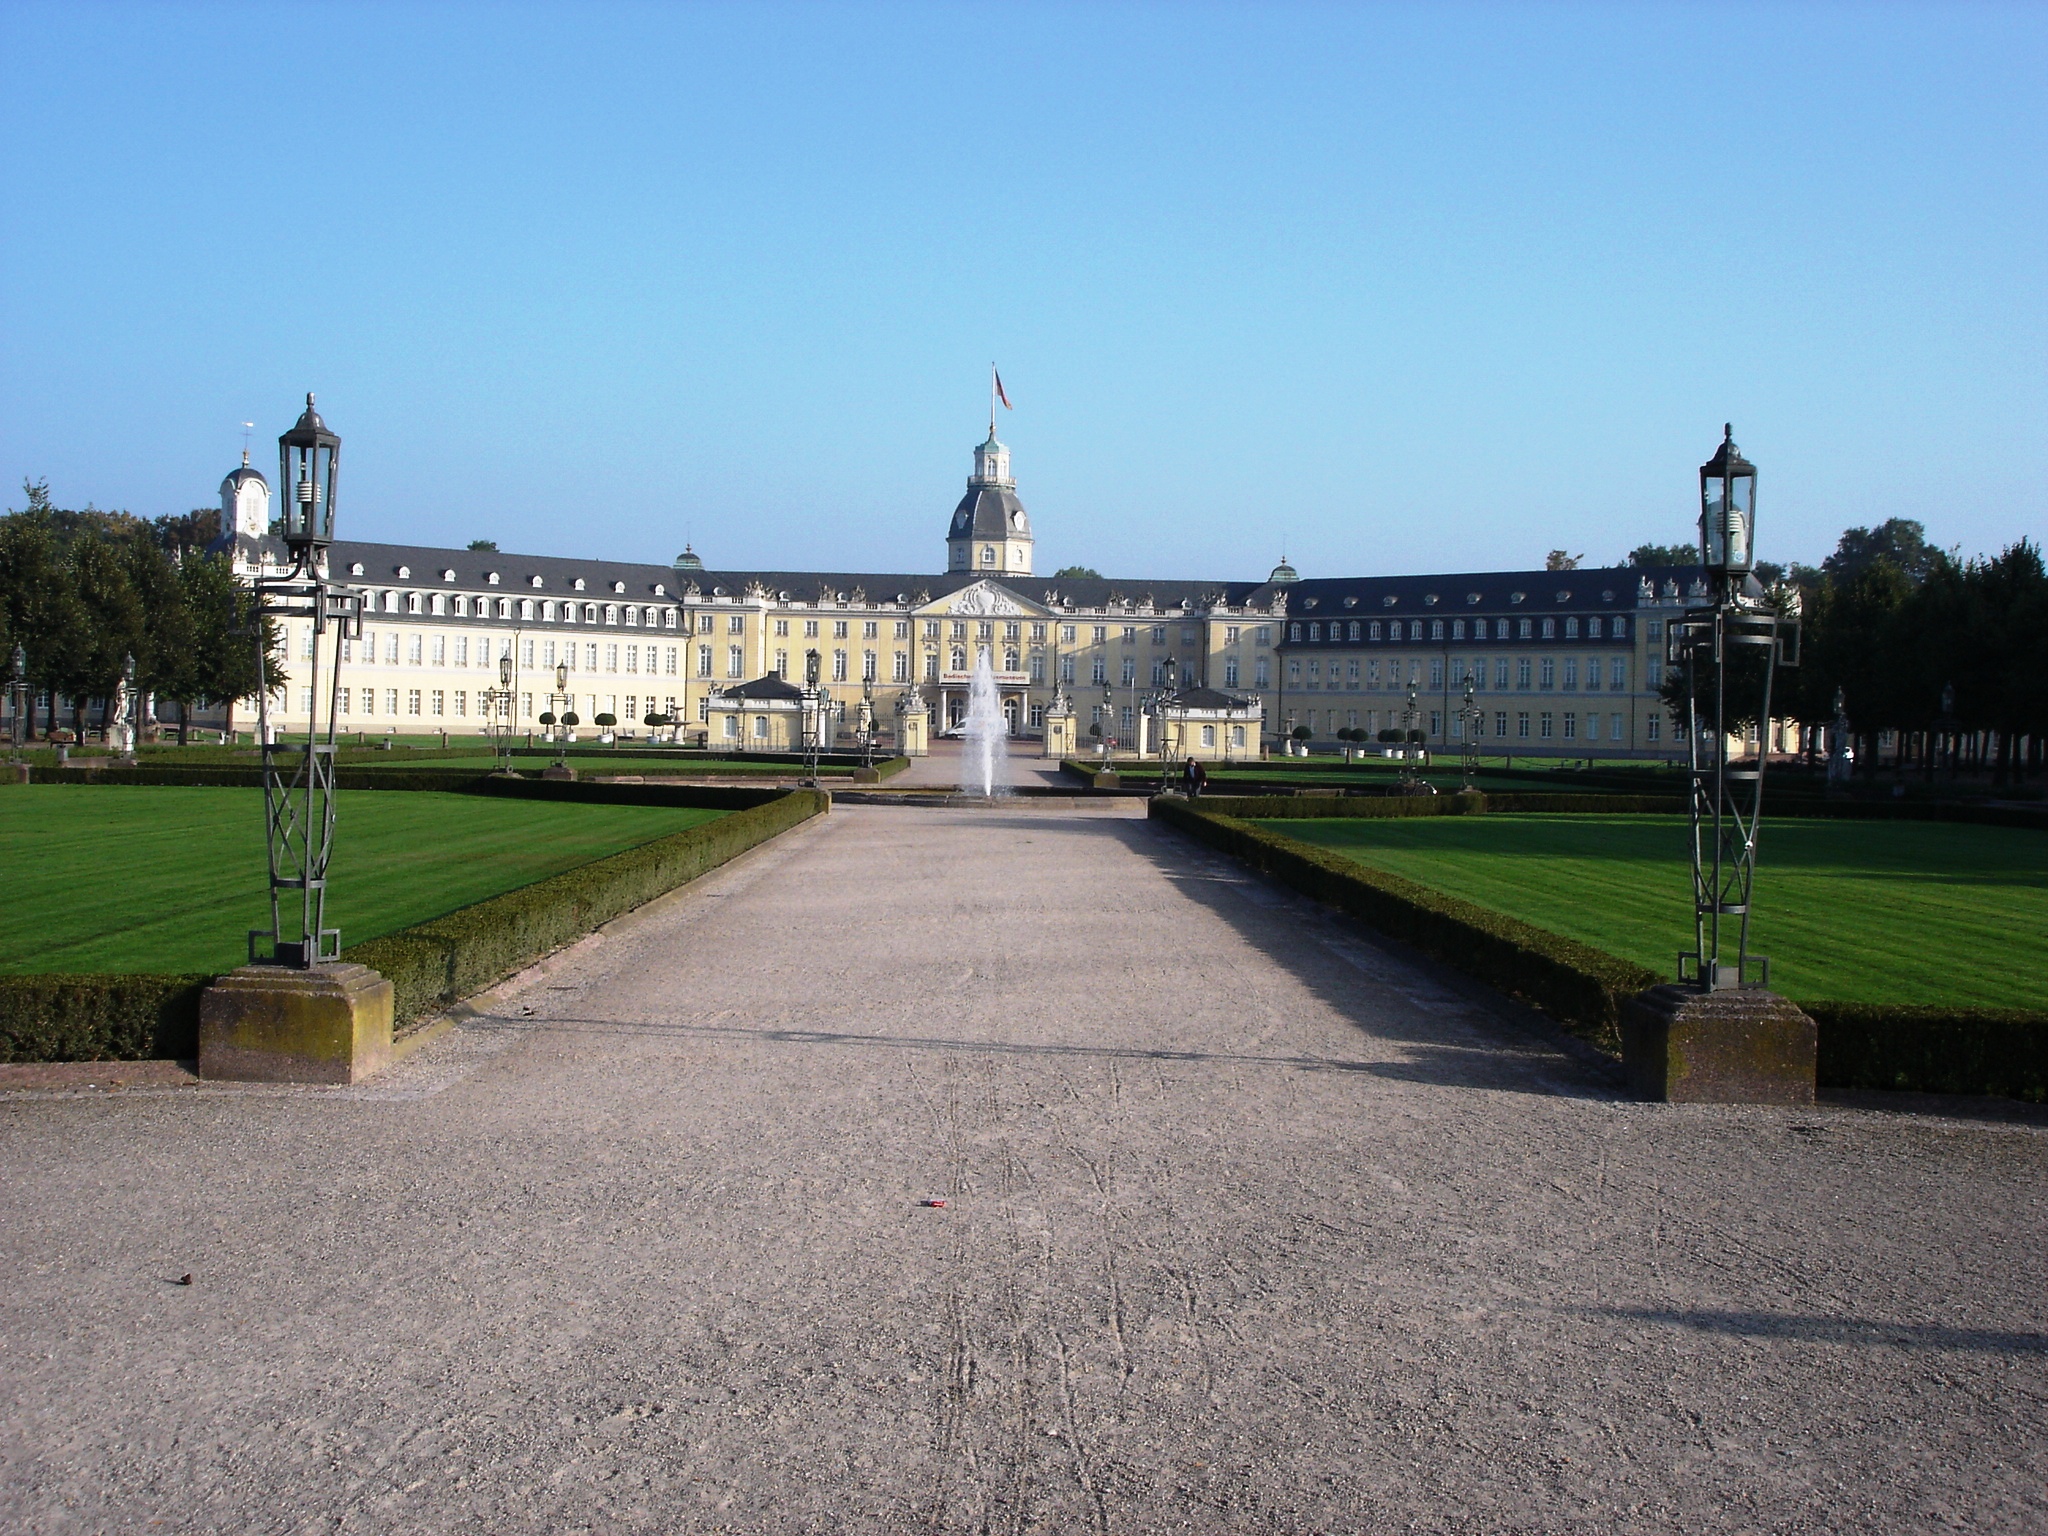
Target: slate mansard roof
(1608, 589)
(989, 512)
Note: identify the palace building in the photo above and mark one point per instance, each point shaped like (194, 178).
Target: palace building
(1562, 663)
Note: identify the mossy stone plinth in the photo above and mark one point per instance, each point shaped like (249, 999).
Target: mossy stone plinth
(559, 771)
(1109, 780)
(273, 1024)
(1747, 1046)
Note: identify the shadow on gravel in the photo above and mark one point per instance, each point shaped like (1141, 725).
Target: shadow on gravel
(1831, 1330)
(1441, 1052)
(920, 1043)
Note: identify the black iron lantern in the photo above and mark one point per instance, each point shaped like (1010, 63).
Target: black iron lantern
(308, 466)
(1728, 509)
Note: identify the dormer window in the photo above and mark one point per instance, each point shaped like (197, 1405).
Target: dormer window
(1429, 601)
(533, 581)
(491, 577)
(1350, 602)
(447, 575)
(618, 586)
(660, 590)
(1516, 597)
(405, 573)
(1471, 597)
(579, 584)
(356, 569)
(1389, 600)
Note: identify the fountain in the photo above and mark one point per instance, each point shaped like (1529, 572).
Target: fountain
(987, 767)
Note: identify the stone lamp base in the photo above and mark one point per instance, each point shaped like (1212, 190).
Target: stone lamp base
(1681, 1045)
(274, 1024)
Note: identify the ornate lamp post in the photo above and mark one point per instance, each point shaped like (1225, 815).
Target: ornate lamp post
(565, 721)
(1718, 1034)
(298, 776)
(17, 690)
(1108, 714)
(1727, 801)
(298, 1012)
(813, 724)
(1470, 713)
(497, 704)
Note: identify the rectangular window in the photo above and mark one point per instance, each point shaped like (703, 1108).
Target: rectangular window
(1656, 633)
(1127, 719)
(1593, 627)
(1230, 672)
(736, 624)
(440, 650)
(931, 667)
(1549, 673)
(869, 665)
(1130, 670)
(1543, 726)
(782, 663)
(1263, 674)
(1500, 676)
(669, 662)
(782, 629)
(1571, 674)
(1571, 629)
(1436, 629)
(839, 629)
(1457, 629)
(1500, 722)
(1100, 634)
(1067, 635)
(390, 701)
(839, 666)
(1593, 672)
(461, 702)
(703, 661)
(611, 658)
(412, 649)
(412, 701)
(1650, 728)
(903, 630)
(1653, 673)
(1621, 629)
(810, 629)
(1098, 670)
(437, 702)
(1617, 674)
(1522, 724)
(1571, 726)
(1038, 717)
(1159, 634)
(1230, 634)
(735, 661)
(1522, 629)
(632, 707)
(1436, 673)
(900, 662)
(632, 658)
(1614, 727)
(1263, 635)
(732, 727)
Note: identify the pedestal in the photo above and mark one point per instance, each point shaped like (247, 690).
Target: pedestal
(1684, 1046)
(273, 1024)
(558, 771)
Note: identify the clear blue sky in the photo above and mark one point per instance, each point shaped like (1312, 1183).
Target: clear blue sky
(1405, 289)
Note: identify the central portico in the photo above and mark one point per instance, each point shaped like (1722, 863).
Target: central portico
(985, 619)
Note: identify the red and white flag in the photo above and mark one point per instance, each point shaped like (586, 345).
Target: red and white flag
(1000, 395)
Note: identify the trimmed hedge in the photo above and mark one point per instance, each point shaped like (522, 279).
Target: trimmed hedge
(99, 1018)
(1582, 987)
(2002, 1051)
(1862, 1045)
(127, 1018)
(435, 963)
(1378, 807)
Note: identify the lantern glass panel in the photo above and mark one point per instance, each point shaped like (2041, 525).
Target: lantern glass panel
(1713, 521)
(1741, 513)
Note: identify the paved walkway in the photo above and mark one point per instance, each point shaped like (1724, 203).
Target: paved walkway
(1250, 1226)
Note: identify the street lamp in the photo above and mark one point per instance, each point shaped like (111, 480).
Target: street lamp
(1108, 709)
(497, 704)
(1726, 801)
(563, 697)
(298, 777)
(17, 689)
(1469, 712)
(813, 725)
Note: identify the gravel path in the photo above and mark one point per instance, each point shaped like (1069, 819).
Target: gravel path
(1250, 1226)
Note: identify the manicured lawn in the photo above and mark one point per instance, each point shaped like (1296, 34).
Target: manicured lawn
(133, 878)
(1899, 911)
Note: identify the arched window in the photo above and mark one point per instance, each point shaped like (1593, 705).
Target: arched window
(959, 658)
(590, 613)
(1294, 632)
(526, 608)
(1010, 661)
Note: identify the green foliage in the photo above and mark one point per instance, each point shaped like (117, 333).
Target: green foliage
(1659, 556)
(483, 546)
(1933, 1050)
(1561, 560)
(99, 1018)
(1900, 542)
(1077, 573)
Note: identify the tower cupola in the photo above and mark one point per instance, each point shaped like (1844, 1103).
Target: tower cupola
(990, 533)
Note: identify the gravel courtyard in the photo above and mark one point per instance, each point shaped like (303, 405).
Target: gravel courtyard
(1249, 1225)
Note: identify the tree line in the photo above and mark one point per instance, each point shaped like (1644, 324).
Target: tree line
(1899, 626)
(81, 591)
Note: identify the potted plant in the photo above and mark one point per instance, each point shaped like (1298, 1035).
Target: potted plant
(604, 723)
(1301, 736)
(547, 723)
(570, 720)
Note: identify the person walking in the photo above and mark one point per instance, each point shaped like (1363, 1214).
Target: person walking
(1198, 779)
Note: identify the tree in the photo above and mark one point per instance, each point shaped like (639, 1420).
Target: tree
(1077, 573)
(484, 546)
(189, 533)
(40, 598)
(1561, 560)
(222, 611)
(163, 664)
(1900, 540)
(1653, 556)
(113, 628)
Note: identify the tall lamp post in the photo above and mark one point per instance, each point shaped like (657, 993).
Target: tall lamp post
(1470, 714)
(17, 692)
(812, 722)
(498, 711)
(298, 776)
(1718, 1034)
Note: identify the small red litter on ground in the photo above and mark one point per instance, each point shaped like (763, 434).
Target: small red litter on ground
(935, 1205)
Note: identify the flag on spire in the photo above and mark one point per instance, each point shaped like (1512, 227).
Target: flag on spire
(1000, 395)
